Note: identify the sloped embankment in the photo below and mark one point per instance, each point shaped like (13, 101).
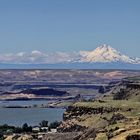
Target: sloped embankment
(113, 117)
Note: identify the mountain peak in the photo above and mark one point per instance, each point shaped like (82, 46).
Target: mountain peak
(105, 49)
(105, 53)
(104, 46)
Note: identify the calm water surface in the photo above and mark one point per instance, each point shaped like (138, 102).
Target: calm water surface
(32, 116)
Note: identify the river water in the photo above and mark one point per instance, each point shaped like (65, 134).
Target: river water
(32, 116)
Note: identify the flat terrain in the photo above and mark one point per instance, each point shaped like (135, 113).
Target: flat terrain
(14, 83)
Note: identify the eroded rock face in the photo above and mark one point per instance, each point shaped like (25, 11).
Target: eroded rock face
(117, 117)
(133, 137)
(69, 126)
(73, 112)
(88, 134)
(126, 90)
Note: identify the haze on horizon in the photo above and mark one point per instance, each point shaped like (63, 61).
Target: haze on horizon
(69, 26)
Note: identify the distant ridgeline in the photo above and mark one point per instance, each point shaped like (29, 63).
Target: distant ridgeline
(43, 91)
(36, 93)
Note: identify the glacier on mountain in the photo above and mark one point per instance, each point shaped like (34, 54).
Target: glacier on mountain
(106, 54)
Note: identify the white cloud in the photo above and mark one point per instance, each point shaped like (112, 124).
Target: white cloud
(20, 54)
(101, 54)
(36, 53)
(38, 57)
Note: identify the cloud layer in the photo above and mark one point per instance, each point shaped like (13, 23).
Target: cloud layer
(102, 54)
(38, 57)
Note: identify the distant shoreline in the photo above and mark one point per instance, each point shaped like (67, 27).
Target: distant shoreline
(53, 104)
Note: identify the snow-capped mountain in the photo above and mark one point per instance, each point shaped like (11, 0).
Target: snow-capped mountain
(103, 57)
(105, 54)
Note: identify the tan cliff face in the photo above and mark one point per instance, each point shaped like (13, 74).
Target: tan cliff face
(127, 90)
(107, 118)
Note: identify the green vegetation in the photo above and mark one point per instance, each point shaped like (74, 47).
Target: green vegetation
(6, 129)
(44, 123)
(54, 125)
(25, 129)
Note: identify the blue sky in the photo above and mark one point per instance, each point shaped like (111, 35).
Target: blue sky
(69, 25)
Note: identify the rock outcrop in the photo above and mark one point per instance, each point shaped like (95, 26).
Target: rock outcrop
(73, 111)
